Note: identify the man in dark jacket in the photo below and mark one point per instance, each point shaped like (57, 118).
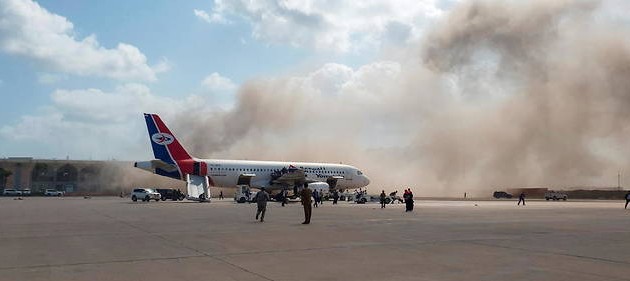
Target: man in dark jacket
(408, 196)
(627, 199)
(521, 198)
(261, 199)
(305, 195)
(382, 197)
(315, 198)
(284, 194)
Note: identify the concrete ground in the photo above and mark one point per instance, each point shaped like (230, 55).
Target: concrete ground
(115, 239)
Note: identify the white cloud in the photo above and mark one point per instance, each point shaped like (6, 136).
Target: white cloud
(340, 26)
(29, 30)
(220, 90)
(93, 122)
(214, 18)
(216, 82)
(98, 123)
(202, 15)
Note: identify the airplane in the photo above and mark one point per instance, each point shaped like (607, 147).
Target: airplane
(173, 161)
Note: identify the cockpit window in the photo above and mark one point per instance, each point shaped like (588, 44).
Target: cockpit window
(359, 173)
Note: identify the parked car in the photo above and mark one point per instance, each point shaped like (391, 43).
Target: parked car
(145, 194)
(53, 192)
(11, 192)
(501, 194)
(26, 192)
(555, 196)
(170, 193)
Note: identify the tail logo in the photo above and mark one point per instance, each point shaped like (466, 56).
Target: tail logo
(162, 138)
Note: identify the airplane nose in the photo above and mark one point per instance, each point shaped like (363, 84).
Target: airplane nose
(367, 180)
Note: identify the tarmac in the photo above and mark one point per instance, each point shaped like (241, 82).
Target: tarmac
(116, 239)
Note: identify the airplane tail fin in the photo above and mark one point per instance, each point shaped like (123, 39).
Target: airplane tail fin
(165, 146)
(173, 161)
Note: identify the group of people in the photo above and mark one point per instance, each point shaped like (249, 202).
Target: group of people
(312, 198)
(408, 197)
(262, 197)
(278, 173)
(318, 198)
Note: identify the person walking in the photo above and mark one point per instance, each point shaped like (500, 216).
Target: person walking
(220, 194)
(315, 198)
(261, 199)
(284, 196)
(383, 196)
(410, 200)
(321, 198)
(521, 198)
(335, 196)
(627, 199)
(305, 196)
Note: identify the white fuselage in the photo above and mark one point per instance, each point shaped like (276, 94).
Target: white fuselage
(226, 173)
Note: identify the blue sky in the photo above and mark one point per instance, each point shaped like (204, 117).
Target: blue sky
(167, 30)
(58, 58)
(74, 73)
(423, 85)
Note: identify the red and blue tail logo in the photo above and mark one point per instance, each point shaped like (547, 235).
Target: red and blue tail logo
(165, 146)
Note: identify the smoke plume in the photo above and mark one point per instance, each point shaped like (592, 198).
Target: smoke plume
(498, 94)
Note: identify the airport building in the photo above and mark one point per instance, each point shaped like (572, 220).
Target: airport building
(77, 177)
(40, 174)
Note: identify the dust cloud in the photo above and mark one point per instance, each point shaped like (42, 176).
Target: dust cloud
(114, 177)
(497, 94)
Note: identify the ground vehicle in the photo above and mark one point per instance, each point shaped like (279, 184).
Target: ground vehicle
(243, 194)
(362, 198)
(26, 192)
(11, 192)
(53, 192)
(170, 193)
(501, 194)
(555, 196)
(346, 196)
(145, 194)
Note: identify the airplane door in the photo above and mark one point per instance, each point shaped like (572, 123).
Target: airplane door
(243, 180)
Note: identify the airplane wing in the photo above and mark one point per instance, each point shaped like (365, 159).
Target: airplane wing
(290, 178)
(163, 165)
(298, 177)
